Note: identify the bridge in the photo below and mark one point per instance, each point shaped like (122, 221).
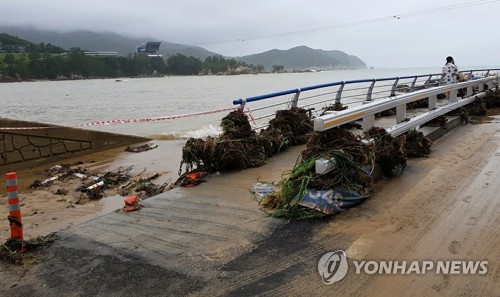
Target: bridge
(368, 97)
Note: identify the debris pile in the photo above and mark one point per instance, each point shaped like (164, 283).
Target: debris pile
(440, 121)
(417, 145)
(349, 178)
(492, 99)
(59, 172)
(140, 148)
(295, 124)
(422, 103)
(478, 107)
(334, 107)
(15, 250)
(237, 148)
(389, 151)
(240, 147)
(84, 184)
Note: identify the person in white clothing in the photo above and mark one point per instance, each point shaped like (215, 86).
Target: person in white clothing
(450, 72)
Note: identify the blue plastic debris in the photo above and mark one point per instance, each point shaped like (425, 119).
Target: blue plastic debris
(330, 201)
(262, 189)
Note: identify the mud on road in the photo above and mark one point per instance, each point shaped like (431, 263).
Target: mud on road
(444, 207)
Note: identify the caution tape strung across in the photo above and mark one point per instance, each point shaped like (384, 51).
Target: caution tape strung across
(144, 120)
(148, 120)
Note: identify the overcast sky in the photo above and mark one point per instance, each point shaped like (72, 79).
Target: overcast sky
(235, 28)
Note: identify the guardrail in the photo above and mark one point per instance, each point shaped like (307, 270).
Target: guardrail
(474, 89)
(352, 92)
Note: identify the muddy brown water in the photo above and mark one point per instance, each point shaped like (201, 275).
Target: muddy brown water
(44, 212)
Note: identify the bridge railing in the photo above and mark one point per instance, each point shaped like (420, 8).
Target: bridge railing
(353, 93)
(471, 90)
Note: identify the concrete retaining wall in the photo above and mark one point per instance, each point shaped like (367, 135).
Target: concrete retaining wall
(24, 148)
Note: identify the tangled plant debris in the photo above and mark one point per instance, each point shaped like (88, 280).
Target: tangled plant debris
(15, 251)
(354, 160)
(240, 147)
(389, 151)
(140, 148)
(417, 145)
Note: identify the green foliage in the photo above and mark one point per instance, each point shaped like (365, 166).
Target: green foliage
(46, 61)
(10, 44)
(278, 68)
(182, 65)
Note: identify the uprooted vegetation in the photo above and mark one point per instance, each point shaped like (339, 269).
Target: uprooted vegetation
(240, 147)
(350, 180)
(16, 251)
(354, 156)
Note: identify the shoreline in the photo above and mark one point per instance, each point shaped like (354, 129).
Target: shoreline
(44, 212)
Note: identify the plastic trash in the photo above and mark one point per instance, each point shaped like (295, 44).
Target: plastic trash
(262, 189)
(80, 175)
(96, 185)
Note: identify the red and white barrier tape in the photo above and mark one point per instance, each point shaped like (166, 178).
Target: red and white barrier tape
(148, 120)
(145, 120)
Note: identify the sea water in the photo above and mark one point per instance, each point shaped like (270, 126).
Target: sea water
(72, 103)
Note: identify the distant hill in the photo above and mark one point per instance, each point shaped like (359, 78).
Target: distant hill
(303, 57)
(87, 40)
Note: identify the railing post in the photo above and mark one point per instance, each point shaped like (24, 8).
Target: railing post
(428, 82)
(412, 88)
(480, 87)
(432, 102)
(338, 97)
(242, 105)
(453, 95)
(487, 73)
(394, 86)
(469, 91)
(368, 122)
(370, 90)
(295, 100)
(400, 113)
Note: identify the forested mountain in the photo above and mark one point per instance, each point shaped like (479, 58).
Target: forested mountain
(301, 57)
(88, 40)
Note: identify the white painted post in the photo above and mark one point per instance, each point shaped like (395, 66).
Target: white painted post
(469, 91)
(368, 122)
(453, 95)
(432, 102)
(400, 113)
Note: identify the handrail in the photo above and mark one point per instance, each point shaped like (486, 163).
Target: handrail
(348, 82)
(367, 112)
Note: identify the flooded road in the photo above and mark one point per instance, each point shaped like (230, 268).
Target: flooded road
(212, 240)
(445, 207)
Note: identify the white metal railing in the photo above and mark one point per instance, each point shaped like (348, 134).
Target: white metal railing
(366, 112)
(353, 93)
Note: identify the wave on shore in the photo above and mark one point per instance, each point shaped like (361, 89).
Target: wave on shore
(203, 132)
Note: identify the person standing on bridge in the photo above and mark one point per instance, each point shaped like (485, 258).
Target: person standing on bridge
(450, 72)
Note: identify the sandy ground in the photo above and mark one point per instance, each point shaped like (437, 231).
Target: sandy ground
(44, 212)
(445, 207)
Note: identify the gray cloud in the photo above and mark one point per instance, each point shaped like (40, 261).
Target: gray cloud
(467, 33)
